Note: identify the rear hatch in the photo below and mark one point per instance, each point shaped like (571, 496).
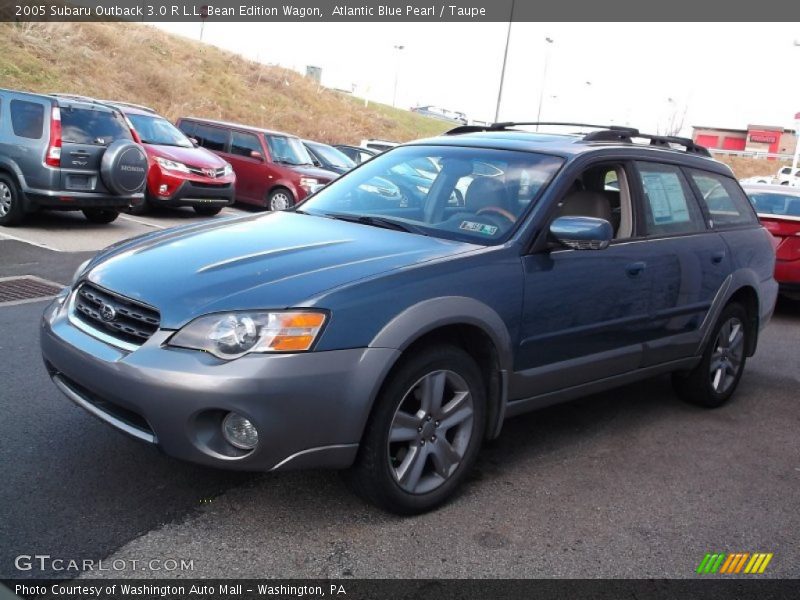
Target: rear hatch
(86, 132)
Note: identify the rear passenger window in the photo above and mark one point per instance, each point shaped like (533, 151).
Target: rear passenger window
(27, 119)
(212, 138)
(726, 203)
(670, 206)
(243, 144)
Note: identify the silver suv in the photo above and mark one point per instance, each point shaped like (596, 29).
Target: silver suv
(66, 153)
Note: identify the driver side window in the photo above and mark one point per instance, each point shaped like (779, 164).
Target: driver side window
(602, 192)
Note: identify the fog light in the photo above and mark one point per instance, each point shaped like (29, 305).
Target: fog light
(239, 431)
(163, 190)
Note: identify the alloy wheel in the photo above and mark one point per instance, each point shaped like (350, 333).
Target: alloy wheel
(726, 360)
(430, 432)
(5, 199)
(279, 201)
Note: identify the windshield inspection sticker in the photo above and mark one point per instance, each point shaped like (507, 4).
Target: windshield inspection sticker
(478, 227)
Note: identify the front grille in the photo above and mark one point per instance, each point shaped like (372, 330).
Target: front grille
(120, 317)
(212, 186)
(202, 172)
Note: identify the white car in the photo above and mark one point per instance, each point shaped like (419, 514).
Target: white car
(767, 179)
(784, 176)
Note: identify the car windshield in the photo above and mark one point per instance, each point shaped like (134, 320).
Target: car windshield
(468, 194)
(288, 150)
(775, 204)
(158, 131)
(333, 157)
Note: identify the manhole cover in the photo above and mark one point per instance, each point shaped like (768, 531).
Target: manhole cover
(26, 288)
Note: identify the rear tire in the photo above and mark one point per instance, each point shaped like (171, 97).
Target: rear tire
(140, 209)
(12, 212)
(712, 382)
(207, 211)
(424, 434)
(100, 215)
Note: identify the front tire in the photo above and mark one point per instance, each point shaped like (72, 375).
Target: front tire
(424, 434)
(100, 215)
(280, 199)
(712, 382)
(12, 212)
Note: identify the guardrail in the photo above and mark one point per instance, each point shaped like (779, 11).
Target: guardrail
(750, 154)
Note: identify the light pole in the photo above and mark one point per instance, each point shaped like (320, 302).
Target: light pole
(796, 132)
(505, 60)
(399, 49)
(548, 43)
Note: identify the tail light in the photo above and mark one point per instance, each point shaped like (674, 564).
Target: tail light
(53, 157)
(134, 133)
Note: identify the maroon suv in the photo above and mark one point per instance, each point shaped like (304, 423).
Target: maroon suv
(273, 169)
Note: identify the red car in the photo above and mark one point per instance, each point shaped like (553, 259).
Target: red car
(180, 173)
(273, 169)
(778, 207)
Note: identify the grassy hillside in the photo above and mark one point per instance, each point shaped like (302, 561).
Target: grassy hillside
(752, 167)
(179, 77)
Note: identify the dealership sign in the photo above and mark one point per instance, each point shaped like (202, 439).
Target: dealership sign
(763, 138)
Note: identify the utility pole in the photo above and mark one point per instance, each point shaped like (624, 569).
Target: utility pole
(399, 49)
(548, 43)
(503, 69)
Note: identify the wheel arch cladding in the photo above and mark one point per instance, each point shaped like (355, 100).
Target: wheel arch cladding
(466, 323)
(748, 298)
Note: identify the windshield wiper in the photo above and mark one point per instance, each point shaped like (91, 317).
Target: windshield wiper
(376, 221)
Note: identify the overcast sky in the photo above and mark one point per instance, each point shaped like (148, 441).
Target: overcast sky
(721, 74)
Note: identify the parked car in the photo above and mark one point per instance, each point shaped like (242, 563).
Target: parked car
(273, 169)
(66, 153)
(778, 207)
(393, 340)
(378, 145)
(784, 176)
(355, 153)
(442, 114)
(328, 157)
(179, 173)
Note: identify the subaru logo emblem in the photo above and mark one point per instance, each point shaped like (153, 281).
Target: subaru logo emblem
(212, 173)
(108, 312)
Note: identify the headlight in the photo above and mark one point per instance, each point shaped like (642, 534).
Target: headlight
(79, 271)
(231, 335)
(228, 170)
(309, 183)
(171, 165)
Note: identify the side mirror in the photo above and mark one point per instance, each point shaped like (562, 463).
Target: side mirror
(195, 143)
(582, 233)
(256, 154)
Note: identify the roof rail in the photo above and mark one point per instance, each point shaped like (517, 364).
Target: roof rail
(604, 133)
(129, 105)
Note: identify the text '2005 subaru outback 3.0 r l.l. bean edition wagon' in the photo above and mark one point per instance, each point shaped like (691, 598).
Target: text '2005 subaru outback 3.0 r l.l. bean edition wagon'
(392, 335)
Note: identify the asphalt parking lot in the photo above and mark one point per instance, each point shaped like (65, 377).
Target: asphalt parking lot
(629, 483)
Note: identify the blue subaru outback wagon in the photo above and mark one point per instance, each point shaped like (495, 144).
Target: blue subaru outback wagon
(391, 333)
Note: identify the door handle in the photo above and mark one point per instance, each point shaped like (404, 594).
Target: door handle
(635, 268)
(79, 153)
(717, 257)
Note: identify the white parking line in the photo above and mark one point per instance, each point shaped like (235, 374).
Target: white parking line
(8, 236)
(140, 222)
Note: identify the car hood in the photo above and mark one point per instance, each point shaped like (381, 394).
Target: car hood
(276, 261)
(323, 175)
(195, 157)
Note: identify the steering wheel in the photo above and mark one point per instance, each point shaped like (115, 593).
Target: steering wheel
(498, 211)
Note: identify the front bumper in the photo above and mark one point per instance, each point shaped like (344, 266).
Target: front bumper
(310, 409)
(191, 193)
